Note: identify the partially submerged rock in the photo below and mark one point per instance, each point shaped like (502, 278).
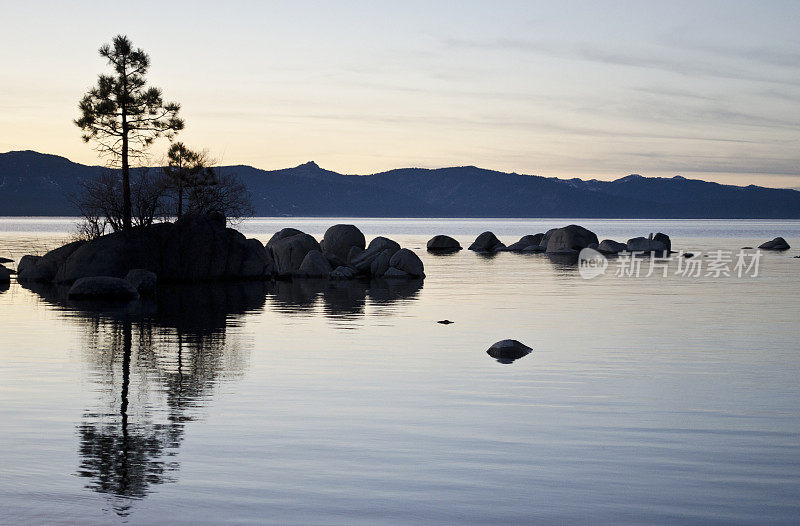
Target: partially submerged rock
(45, 268)
(5, 260)
(314, 265)
(5, 274)
(102, 287)
(443, 244)
(487, 242)
(343, 273)
(529, 243)
(408, 262)
(362, 260)
(289, 252)
(572, 237)
(647, 245)
(339, 239)
(776, 244)
(609, 246)
(506, 351)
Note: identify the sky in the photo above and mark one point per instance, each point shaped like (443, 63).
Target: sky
(708, 90)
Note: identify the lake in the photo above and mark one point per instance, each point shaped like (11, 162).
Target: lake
(660, 399)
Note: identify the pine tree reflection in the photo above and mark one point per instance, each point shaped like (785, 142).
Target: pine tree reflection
(155, 362)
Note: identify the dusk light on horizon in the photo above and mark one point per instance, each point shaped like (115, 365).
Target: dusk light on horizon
(705, 90)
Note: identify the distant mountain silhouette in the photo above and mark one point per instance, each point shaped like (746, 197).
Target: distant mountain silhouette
(32, 183)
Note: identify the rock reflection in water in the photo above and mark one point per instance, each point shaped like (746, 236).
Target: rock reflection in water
(155, 363)
(341, 299)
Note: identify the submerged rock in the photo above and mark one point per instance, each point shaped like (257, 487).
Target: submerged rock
(102, 287)
(445, 322)
(571, 237)
(487, 242)
(506, 351)
(776, 244)
(442, 243)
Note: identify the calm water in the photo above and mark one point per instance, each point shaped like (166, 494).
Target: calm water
(649, 400)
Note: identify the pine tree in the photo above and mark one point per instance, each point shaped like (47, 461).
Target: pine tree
(122, 115)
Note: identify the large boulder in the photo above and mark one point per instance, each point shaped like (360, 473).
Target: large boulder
(572, 237)
(45, 268)
(546, 238)
(487, 242)
(609, 246)
(526, 243)
(506, 351)
(443, 244)
(102, 287)
(5, 274)
(407, 261)
(194, 248)
(282, 234)
(314, 265)
(144, 281)
(664, 239)
(289, 252)
(111, 255)
(362, 260)
(339, 239)
(776, 244)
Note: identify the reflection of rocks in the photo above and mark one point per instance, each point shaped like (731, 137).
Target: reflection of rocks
(341, 298)
(103, 287)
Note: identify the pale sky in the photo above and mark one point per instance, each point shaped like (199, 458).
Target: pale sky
(566, 89)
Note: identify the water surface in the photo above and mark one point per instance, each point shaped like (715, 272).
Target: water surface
(667, 400)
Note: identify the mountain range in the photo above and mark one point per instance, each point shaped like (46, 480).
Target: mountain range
(36, 184)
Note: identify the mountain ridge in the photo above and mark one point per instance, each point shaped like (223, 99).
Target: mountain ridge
(33, 183)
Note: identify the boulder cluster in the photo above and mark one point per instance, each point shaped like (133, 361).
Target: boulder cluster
(570, 239)
(342, 254)
(200, 248)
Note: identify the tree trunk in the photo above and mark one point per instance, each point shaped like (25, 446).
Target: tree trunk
(180, 200)
(126, 175)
